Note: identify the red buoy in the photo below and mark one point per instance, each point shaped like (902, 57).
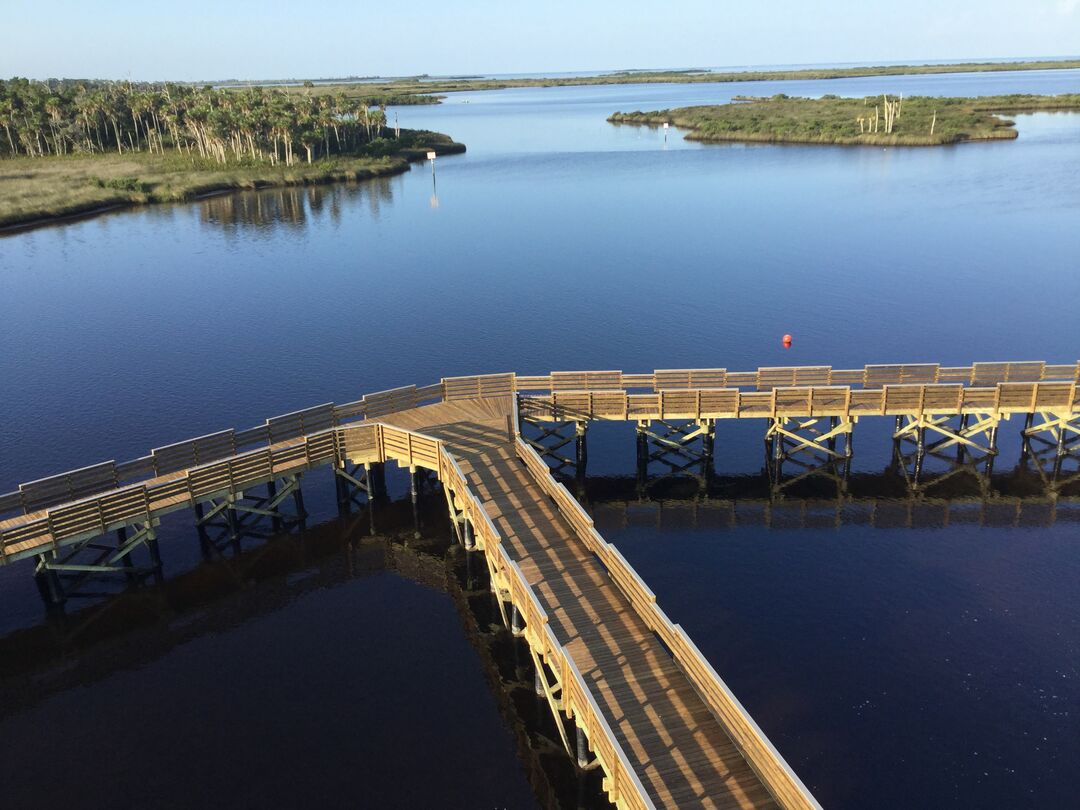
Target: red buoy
(787, 341)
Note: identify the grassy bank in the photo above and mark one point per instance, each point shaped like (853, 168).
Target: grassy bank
(919, 121)
(429, 90)
(42, 190)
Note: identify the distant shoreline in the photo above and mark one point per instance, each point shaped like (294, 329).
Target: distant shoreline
(431, 91)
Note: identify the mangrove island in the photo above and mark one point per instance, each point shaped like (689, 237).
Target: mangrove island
(885, 120)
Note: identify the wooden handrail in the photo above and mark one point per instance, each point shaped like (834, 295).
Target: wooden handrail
(804, 401)
(870, 376)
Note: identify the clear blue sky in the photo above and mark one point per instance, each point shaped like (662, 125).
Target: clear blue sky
(198, 39)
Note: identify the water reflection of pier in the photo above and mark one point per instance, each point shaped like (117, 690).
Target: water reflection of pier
(134, 629)
(139, 625)
(878, 501)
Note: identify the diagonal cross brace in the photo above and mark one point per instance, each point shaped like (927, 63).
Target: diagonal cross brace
(805, 436)
(985, 424)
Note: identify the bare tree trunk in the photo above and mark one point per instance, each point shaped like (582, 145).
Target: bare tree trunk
(119, 140)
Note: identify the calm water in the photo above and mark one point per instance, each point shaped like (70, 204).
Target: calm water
(923, 666)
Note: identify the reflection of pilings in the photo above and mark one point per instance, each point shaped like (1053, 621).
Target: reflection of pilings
(877, 500)
(550, 771)
(793, 514)
(911, 467)
(1050, 451)
(145, 624)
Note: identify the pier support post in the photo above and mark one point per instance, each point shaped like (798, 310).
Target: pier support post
(793, 436)
(414, 496)
(1051, 440)
(642, 454)
(582, 748)
(549, 429)
(975, 432)
(48, 583)
(356, 484)
(64, 573)
(814, 451)
(581, 446)
(298, 503)
(377, 477)
(681, 448)
(515, 621)
(470, 574)
(234, 516)
(271, 495)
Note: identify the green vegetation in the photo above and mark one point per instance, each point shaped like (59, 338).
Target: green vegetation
(36, 190)
(59, 117)
(72, 147)
(424, 90)
(875, 120)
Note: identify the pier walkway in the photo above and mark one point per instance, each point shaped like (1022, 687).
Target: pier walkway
(677, 751)
(630, 692)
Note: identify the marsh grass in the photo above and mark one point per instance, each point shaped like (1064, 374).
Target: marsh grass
(923, 121)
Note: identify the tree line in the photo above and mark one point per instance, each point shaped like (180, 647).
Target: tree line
(62, 117)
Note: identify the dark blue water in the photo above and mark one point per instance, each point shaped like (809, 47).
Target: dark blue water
(929, 666)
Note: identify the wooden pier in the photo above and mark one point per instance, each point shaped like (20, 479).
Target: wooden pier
(630, 692)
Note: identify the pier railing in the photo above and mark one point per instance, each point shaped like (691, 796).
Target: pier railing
(662, 394)
(832, 400)
(777, 776)
(767, 378)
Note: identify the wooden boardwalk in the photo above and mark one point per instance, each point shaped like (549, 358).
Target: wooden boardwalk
(631, 693)
(680, 752)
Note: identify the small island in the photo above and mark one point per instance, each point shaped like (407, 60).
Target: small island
(79, 147)
(885, 120)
